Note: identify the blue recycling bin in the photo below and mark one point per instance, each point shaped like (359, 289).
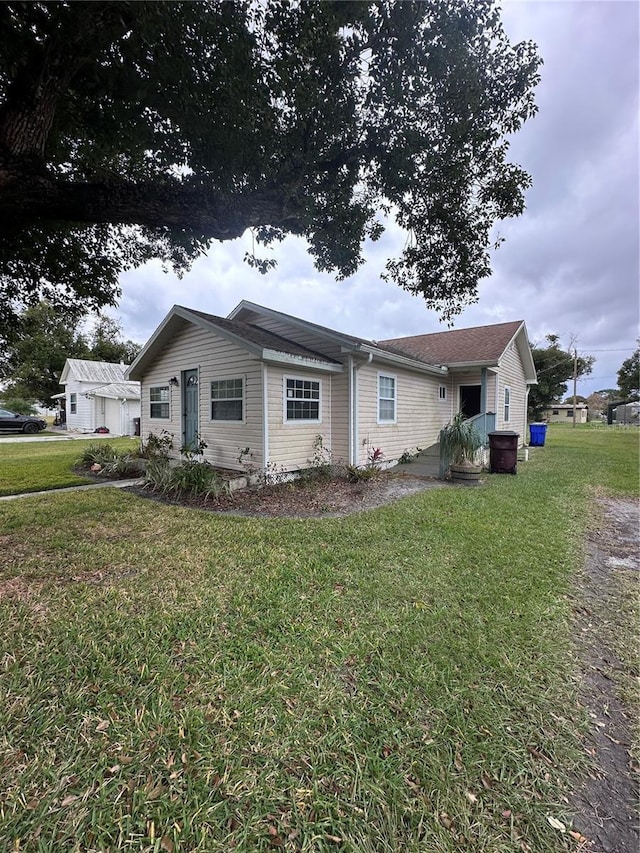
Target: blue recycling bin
(537, 435)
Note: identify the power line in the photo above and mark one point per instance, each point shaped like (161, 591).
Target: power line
(622, 349)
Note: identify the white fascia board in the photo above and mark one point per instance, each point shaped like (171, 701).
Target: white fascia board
(521, 339)
(271, 355)
(465, 365)
(404, 361)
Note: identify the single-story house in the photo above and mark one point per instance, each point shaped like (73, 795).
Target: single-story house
(96, 394)
(562, 413)
(259, 386)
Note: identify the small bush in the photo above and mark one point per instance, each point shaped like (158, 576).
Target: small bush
(192, 478)
(157, 445)
(112, 463)
(357, 475)
(100, 454)
(158, 475)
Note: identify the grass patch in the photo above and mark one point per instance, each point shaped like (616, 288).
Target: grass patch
(38, 466)
(399, 680)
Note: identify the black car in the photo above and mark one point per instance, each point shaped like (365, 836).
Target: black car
(11, 422)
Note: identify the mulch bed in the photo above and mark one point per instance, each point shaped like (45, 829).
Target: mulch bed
(328, 498)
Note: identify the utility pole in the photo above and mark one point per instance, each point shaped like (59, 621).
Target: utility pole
(575, 380)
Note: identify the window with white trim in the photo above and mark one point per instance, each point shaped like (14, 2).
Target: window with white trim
(73, 403)
(227, 399)
(302, 400)
(386, 399)
(507, 403)
(442, 393)
(159, 402)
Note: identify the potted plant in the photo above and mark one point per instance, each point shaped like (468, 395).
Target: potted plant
(459, 441)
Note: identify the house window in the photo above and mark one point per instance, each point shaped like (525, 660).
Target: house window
(227, 400)
(569, 413)
(555, 411)
(507, 403)
(73, 404)
(442, 393)
(159, 402)
(386, 399)
(302, 400)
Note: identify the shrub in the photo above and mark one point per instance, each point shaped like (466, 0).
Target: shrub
(112, 463)
(158, 475)
(157, 445)
(189, 477)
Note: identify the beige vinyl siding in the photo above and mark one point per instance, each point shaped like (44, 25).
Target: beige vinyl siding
(215, 358)
(419, 415)
(339, 381)
(512, 375)
(291, 444)
(340, 416)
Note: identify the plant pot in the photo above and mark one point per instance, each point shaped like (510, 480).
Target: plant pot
(465, 473)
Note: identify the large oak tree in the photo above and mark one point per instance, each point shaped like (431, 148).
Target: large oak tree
(131, 130)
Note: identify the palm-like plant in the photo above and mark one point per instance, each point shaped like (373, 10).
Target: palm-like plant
(459, 440)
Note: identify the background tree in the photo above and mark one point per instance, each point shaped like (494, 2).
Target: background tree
(554, 368)
(107, 343)
(149, 129)
(629, 377)
(17, 404)
(599, 400)
(34, 361)
(32, 365)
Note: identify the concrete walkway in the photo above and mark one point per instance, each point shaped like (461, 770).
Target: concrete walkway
(420, 467)
(19, 438)
(114, 484)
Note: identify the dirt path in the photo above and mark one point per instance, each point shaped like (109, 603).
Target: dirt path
(607, 804)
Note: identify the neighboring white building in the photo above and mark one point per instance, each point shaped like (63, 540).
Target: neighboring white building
(562, 413)
(96, 395)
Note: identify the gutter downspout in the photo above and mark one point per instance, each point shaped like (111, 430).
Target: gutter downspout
(265, 416)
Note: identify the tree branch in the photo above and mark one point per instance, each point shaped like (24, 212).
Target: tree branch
(26, 198)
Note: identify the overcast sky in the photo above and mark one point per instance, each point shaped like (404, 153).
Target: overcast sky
(569, 264)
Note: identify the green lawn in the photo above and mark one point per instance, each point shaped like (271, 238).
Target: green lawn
(400, 680)
(34, 466)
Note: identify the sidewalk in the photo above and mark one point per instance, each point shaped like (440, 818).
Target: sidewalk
(19, 438)
(114, 484)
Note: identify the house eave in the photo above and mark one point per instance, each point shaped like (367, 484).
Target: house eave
(394, 359)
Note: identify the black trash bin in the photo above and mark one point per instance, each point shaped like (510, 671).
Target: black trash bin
(503, 451)
(136, 426)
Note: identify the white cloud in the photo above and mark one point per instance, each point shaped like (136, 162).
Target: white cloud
(570, 263)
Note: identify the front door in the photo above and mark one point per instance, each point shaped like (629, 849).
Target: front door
(470, 400)
(190, 408)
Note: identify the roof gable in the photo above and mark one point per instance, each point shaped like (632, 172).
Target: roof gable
(260, 342)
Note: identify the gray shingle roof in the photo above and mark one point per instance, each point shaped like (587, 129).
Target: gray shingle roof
(262, 337)
(459, 346)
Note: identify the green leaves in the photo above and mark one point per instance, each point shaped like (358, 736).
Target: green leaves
(173, 124)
